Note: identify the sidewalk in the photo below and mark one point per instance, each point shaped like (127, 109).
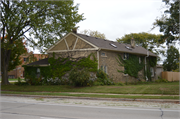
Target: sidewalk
(109, 99)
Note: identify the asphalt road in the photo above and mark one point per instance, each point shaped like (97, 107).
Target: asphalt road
(24, 110)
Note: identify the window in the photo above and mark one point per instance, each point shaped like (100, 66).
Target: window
(26, 59)
(104, 68)
(103, 54)
(125, 74)
(139, 60)
(152, 71)
(11, 76)
(38, 72)
(126, 56)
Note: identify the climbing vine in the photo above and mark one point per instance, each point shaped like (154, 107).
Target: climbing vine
(151, 62)
(131, 65)
(59, 67)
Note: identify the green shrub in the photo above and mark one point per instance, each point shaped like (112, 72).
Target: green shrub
(80, 77)
(120, 84)
(19, 83)
(103, 78)
(161, 80)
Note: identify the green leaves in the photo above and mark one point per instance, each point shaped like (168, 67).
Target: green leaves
(143, 39)
(46, 20)
(171, 63)
(131, 65)
(169, 21)
(94, 33)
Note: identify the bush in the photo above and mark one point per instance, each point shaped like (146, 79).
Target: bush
(120, 84)
(103, 78)
(19, 83)
(80, 77)
(161, 80)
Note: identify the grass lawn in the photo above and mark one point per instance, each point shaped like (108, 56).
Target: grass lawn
(171, 88)
(96, 95)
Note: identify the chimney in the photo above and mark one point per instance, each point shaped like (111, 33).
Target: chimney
(74, 30)
(132, 43)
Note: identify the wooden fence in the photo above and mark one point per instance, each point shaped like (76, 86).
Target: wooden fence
(171, 76)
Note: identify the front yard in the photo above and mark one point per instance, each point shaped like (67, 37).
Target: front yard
(171, 88)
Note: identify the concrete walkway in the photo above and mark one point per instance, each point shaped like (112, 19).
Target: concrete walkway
(94, 98)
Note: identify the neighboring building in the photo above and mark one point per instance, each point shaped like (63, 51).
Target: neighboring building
(159, 70)
(79, 45)
(26, 58)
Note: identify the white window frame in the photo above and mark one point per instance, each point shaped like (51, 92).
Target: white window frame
(126, 56)
(103, 54)
(139, 60)
(104, 68)
(124, 73)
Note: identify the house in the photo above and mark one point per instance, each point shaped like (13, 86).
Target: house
(79, 45)
(25, 58)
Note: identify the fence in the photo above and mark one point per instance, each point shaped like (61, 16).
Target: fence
(171, 76)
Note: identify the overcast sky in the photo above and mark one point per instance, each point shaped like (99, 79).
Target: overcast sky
(115, 18)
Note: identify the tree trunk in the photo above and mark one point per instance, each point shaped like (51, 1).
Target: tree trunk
(5, 57)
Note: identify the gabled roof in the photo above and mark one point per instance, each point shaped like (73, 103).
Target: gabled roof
(43, 62)
(115, 46)
(103, 44)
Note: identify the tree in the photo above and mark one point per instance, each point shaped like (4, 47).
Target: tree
(45, 21)
(18, 48)
(172, 59)
(169, 21)
(146, 40)
(94, 34)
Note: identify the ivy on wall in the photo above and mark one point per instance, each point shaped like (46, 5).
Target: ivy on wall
(59, 67)
(151, 62)
(131, 65)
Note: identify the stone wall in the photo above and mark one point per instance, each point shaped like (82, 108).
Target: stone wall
(109, 59)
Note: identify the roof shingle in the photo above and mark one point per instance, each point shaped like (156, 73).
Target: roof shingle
(120, 47)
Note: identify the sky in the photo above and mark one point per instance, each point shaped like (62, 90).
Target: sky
(115, 18)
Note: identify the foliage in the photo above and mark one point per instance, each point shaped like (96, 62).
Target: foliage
(144, 39)
(152, 61)
(161, 80)
(169, 21)
(172, 59)
(103, 78)
(20, 83)
(45, 21)
(120, 84)
(147, 72)
(132, 65)
(94, 33)
(61, 66)
(18, 48)
(80, 77)
(178, 69)
(53, 74)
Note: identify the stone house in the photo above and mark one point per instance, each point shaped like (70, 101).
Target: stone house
(79, 45)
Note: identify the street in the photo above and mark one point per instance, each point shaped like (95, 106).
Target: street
(37, 109)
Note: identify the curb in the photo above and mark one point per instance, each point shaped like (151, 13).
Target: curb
(92, 98)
